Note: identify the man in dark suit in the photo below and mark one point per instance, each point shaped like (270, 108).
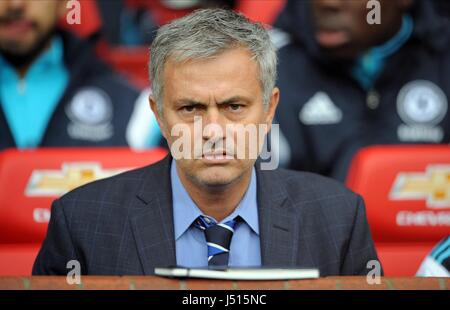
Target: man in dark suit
(208, 204)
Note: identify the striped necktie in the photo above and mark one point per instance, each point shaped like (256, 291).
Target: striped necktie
(218, 239)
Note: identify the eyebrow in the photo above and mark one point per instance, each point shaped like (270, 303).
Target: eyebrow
(182, 102)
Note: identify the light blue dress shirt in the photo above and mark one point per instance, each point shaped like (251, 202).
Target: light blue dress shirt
(29, 103)
(190, 242)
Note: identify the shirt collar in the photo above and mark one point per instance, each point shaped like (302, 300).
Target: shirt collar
(54, 55)
(185, 211)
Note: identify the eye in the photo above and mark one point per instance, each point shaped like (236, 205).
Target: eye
(189, 108)
(235, 107)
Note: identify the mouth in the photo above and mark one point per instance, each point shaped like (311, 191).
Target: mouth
(217, 157)
(16, 27)
(332, 38)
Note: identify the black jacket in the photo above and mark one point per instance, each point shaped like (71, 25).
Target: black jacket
(95, 108)
(326, 116)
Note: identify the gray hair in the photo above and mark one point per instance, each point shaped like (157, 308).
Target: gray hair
(206, 33)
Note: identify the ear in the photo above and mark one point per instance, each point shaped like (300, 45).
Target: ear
(159, 118)
(271, 109)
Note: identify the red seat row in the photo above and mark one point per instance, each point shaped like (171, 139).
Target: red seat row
(406, 190)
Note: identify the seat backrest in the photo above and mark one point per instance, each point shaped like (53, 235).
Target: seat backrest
(132, 62)
(407, 194)
(265, 11)
(16, 259)
(31, 179)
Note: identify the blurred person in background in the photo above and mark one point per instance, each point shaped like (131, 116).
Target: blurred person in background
(134, 22)
(347, 84)
(437, 263)
(54, 91)
(443, 7)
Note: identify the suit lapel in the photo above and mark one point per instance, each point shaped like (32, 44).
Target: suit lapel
(279, 235)
(152, 219)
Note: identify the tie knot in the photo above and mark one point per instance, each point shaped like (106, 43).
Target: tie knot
(218, 238)
(205, 222)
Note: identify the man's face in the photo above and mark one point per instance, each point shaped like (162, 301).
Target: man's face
(342, 30)
(222, 93)
(24, 24)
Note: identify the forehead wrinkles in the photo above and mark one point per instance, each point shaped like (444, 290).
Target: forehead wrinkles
(213, 79)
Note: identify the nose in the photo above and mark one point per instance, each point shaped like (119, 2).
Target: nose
(13, 8)
(17, 4)
(212, 122)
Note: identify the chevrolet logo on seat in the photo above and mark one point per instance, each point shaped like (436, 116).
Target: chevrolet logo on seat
(70, 176)
(433, 186)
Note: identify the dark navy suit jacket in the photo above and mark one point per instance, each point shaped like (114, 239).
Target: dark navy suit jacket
(123, 225)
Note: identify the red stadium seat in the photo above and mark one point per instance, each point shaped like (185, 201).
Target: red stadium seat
(30, 180)
(17, 259)
(407, 195)
(265, 11)
(132, 62)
